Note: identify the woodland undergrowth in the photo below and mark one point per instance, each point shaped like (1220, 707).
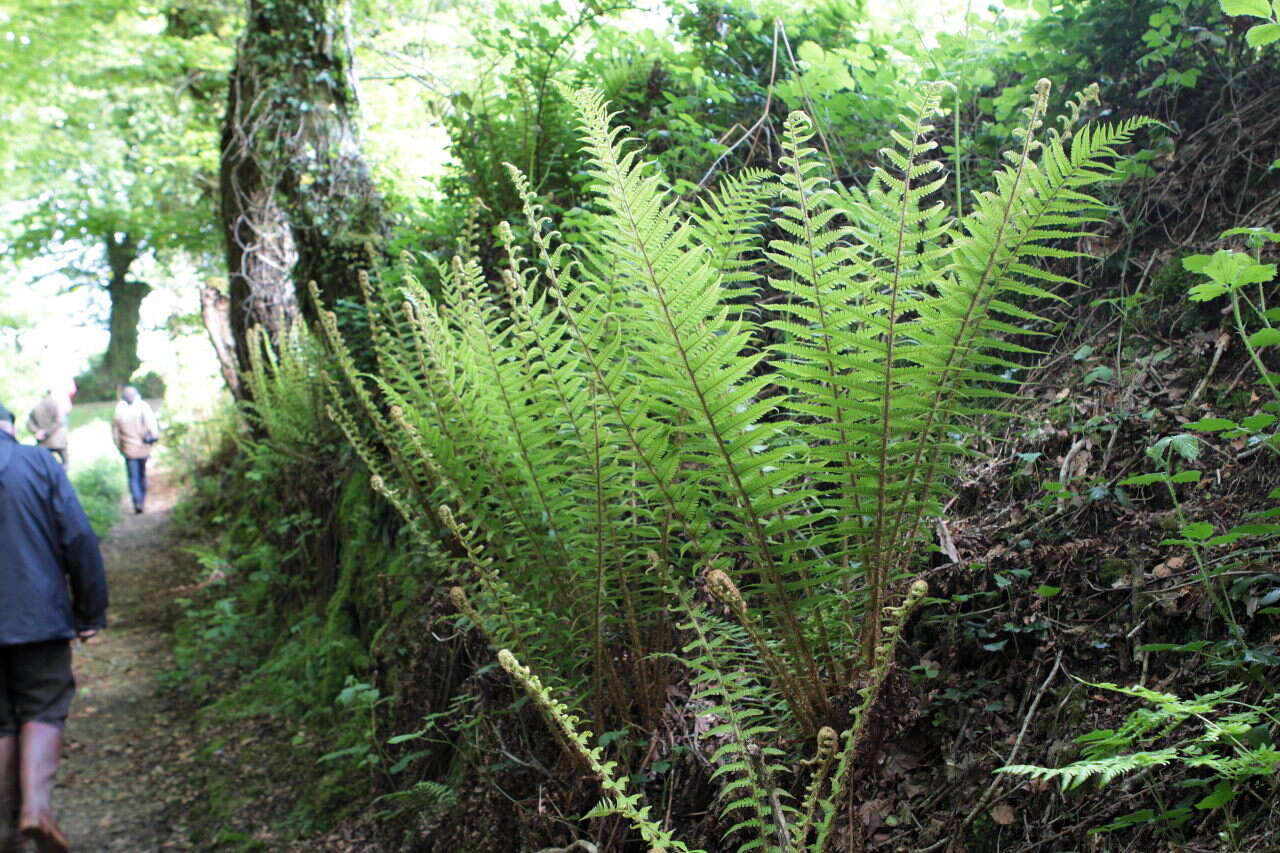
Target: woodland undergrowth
(632, 481)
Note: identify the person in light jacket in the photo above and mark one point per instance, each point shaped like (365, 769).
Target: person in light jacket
(134, 430)
(48, 421)
(53, 588)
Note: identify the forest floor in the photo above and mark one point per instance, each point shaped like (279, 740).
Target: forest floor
(121, 782)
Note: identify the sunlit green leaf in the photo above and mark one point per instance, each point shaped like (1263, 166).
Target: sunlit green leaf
(1263, 34)
(1212, 425)
(1265, 337)
(1257, 8)
(1197, 530)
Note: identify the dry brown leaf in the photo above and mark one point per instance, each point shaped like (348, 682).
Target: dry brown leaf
(1002, 814)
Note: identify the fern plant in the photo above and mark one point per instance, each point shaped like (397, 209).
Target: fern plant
(1231, 740)
(285, 387)
(616, 418)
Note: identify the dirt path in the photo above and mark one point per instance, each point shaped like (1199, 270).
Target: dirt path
(118, 786)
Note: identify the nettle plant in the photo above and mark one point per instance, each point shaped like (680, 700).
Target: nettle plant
(633, 476)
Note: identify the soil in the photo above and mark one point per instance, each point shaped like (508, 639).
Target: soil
(119, 787)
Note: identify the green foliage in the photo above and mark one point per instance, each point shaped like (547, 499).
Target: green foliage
(618, 404)
(109, 126)
(1258, 35)
(746, 756)
(1242, 279)
(285, 393)
(1233, 742)
(617, 798)
(100, 488)
(280, 626)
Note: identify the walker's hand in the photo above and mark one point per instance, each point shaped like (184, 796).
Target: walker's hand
(84, 635)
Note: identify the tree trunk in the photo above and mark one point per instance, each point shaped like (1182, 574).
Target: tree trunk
(121, 358)
(297, 196)
(215, 308)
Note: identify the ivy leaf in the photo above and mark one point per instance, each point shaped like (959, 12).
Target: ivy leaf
(1257, 8)
(1263, 34)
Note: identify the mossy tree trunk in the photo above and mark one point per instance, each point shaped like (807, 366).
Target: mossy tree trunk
(298, 202)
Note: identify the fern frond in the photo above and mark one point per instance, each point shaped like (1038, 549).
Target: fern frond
(1036, 202)
(850, 355)
(1104, 770)
(617, 799)
(895, 618)
(696, 360)
(727, 223)
(747, 756)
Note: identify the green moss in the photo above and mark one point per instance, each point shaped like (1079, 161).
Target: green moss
(1112, 569)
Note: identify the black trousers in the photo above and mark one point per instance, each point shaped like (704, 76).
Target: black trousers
(36, 685)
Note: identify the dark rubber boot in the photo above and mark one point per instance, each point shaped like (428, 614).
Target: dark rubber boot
(11, 841)
(39, 748)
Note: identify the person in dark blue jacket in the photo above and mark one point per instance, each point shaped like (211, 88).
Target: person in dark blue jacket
(52, 589)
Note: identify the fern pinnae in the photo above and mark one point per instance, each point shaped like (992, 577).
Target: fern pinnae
(431, 375)
(819, 276)
(537, 633)
(828, 741)
(1054, 202)
(607, 381)
(386, 348)
(958, 352)
(547, 365)
(518, 427)
(435, 406)
(581, 401)
(328, 323)
(482, 378)
(423, 533)
(869, 695)
(733, 700)
(728, 222)
(661, 254)
(1104, 770)
(618, 799)
(879, 570)
(722, 587)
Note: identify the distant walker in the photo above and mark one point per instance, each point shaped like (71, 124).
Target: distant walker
(134, 429)
(48, 420)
